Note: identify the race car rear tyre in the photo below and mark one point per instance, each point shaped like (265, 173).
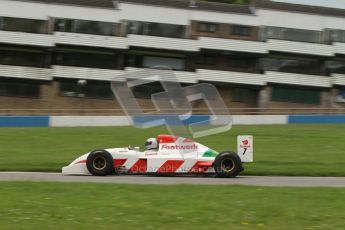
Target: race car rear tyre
(100, 163)
(228, 164)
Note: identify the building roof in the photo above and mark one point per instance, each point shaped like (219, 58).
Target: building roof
(209, 6)
(89, 3)
(267, 4)
(200, 5)
(185, 4)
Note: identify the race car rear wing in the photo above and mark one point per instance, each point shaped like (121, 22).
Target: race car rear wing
(245, 148)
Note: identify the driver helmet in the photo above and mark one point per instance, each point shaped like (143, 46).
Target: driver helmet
(151, 143)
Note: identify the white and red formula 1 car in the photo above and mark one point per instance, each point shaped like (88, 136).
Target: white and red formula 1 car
(171, 155)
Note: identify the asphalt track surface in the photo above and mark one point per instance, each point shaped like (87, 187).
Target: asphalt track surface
(145, 179)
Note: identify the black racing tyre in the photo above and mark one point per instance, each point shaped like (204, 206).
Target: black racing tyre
(100, 163)
(227, 164)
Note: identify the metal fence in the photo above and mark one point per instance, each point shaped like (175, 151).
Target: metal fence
(114, 112)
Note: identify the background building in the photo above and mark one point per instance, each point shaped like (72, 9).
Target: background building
(58, 56)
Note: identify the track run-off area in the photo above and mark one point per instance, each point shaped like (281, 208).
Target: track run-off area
(283, 181)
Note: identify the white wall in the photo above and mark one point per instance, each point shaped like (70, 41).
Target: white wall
(260, 119)
(149, 13)
(87, 13)
(23, 9)
(44, 11)
(87, 121)
(230, 18)
(162, 14)
(334, 23)
(298, 20)
(181, 16)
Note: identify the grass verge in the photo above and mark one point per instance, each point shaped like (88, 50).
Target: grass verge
(310, 150)
(38, 205)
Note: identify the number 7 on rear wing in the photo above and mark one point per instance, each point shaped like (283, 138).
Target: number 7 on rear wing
(245, 148)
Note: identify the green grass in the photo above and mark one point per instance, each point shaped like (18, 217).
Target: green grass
(36, 205)
(312, 150)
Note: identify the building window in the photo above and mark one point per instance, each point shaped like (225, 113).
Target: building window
(84, 59)
(24, 25)
(341, 96)
(156, 29)
(245, 31)
(145, 91)
(291, 65)
(239, 95)
(290, 34)
(172, 63)
(336, 66)
(166, 30)
(207, 27)
(244, 95)
(93, 27)
(305, 96)
(336, 36)
(206, 60)
(85, 27)
(19, 88)
(22, 58)
(63, 25)
(242, 63)
(85, 88)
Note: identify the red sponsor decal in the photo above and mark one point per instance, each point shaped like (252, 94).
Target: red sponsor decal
(179, 147)
(201, 167)
(139, 167)
(170, 166)
(245, 144)
(163, 138)
(151, 153)
(119, 162)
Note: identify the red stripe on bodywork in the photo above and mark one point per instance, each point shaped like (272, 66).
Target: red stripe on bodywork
(170, 166)
(80, 162)
(163, 138)
(201, 166)
(139, 167)
(119, 162)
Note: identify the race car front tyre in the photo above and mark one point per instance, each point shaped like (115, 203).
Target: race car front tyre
(228, 164)
(100, 163)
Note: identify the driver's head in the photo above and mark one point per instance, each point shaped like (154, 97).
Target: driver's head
(151, 143)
